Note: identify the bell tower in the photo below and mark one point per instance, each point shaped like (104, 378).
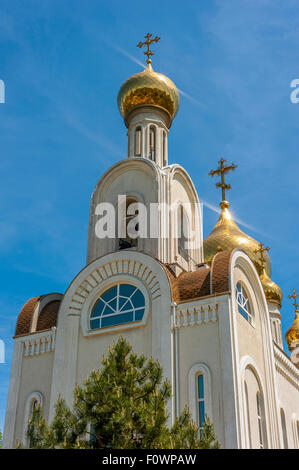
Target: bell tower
(159, 212)
(148, 101)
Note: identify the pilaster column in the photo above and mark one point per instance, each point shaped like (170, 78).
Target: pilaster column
(13, 395)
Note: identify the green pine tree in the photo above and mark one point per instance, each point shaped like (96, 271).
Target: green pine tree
(1, 439)
(122, 406)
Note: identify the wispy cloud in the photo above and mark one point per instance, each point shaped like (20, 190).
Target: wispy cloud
(236, 219)
(125, 53)
(96, 137)
(191, 98)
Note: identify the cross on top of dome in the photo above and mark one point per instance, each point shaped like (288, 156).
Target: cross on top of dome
(261, 250)
(294, 296)
(148, 43)
(222, 170)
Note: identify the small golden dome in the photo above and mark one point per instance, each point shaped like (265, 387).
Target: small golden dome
(293, 333)
(272, 291)
(227, 235)
(151, 88)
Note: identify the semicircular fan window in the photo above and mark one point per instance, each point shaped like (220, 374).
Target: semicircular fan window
(123, 303)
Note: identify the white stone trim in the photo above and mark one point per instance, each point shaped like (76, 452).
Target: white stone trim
(195, 370)
(105, 272)
(294, 421)
(194, 314)
(33, 396)
(94, 296)
(105, 276)
(243, 262)
(13, 396)
(285, 367)
(39, 343)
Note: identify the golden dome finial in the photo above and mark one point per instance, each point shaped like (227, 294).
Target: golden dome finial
(148, 43)
(149, 88)
(294, 296)
(222, 170)
(293, 333)
(228, 234)
(272, 291)
(261, 250)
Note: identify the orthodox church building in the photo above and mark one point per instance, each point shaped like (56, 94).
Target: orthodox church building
(207, 309)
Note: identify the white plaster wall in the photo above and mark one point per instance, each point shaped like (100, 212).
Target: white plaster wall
(200, 344)
(78, 351)
(288, 396)
(91, 349)
(250, 340)
(36, 376)
(253, 347)
(143, 179)
(136, 177)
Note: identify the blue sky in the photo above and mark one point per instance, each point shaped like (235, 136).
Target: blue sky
(63, 63)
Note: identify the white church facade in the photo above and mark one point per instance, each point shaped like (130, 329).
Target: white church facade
(206, 309)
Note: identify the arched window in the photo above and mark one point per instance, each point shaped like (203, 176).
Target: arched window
(255, 411)
(164, 159)
(260, 419)
(138, 141)
(129, 241)
(152, 142)
(200, 393)
(284, 429)
(275, 331)
(182, 233)
(34, 405)
(123, 303)
(201, 401)
(276, 339)
(248, 414)
(33, 400)
(243, 303)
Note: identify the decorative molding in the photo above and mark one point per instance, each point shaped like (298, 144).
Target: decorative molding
(39, 343)
(13, 396)
(193, 315)
(285, 366)
(107, 271)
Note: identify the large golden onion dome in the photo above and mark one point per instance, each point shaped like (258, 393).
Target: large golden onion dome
(148, 88)
(293, 333)
(227, 235)
(272, 291)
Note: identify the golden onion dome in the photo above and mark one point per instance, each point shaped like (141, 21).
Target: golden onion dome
(272, 291)
(148, 88)
(293, 333)
(226, 235)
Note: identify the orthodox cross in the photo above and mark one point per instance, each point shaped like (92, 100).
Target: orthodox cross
(261, 250)
(147, 43)
(294, 296)
(222, 170)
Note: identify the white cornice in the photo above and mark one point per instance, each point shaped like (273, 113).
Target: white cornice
(285, 366)
(38, 343)
(195, 314)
